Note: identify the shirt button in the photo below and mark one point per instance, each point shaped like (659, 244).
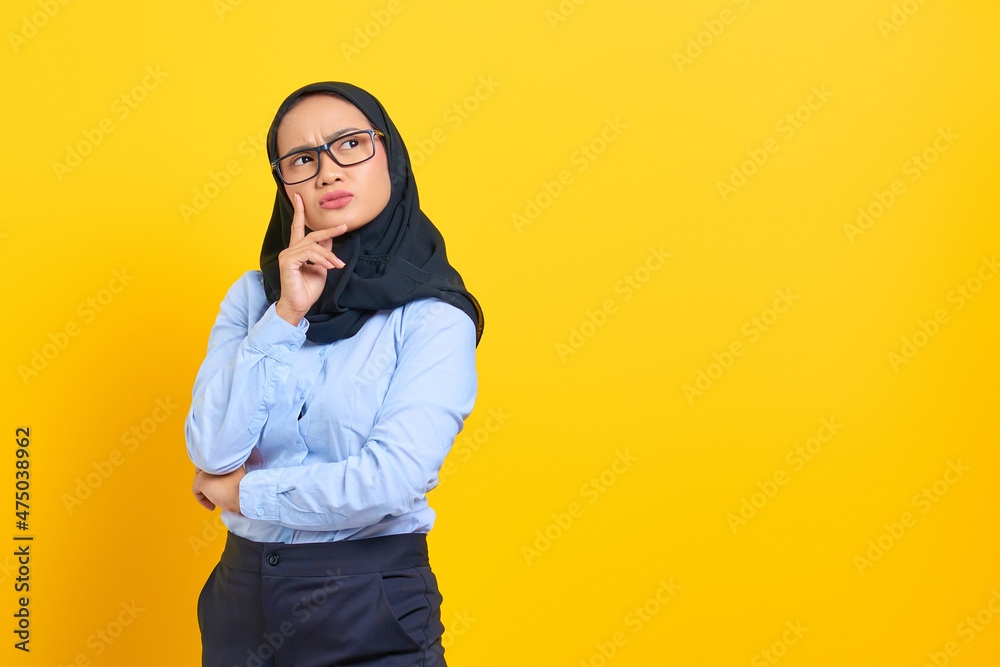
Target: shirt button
(260, 511)
(272, 559)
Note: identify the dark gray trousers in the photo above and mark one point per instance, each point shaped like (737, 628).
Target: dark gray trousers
(368, 602)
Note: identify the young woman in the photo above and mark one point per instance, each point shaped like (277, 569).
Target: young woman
(336, 380)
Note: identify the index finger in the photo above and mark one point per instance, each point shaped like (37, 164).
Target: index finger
(298, 230)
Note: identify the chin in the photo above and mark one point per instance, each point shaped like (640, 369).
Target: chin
(352, 222)
(354, 227)
(327, 222)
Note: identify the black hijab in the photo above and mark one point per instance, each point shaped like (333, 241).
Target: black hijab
(396, 258)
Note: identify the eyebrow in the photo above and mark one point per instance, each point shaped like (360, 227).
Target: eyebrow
(327, 139)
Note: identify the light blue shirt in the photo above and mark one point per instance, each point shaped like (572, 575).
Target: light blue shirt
(341, 440)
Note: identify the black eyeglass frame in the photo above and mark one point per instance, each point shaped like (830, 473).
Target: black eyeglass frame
(318, 150)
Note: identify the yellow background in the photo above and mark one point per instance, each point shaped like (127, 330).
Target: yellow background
(662, 134)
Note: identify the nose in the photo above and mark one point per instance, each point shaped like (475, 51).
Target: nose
(329, 170)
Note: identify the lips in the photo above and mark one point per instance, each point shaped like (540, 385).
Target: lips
(335, 199)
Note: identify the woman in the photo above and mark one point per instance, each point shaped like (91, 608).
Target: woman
(336, 380)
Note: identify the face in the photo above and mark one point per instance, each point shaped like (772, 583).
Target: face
(314, 121)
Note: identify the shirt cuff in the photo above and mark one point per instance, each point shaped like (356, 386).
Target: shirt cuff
(259, 494)
(277, 338)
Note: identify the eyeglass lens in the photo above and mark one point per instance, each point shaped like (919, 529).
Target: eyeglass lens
(347, 150)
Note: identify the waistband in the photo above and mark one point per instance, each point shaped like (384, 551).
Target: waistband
(321, 559)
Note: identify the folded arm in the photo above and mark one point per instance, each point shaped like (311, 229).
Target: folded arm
(431, 392)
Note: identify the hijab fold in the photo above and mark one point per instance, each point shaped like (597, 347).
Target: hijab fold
(396, 258)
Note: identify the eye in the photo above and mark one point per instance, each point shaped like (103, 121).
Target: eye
(348, 144)
(300, 159)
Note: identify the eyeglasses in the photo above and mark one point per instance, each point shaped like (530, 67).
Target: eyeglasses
(346, 150)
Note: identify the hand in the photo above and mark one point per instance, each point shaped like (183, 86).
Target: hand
(303, 265)
(222, 491)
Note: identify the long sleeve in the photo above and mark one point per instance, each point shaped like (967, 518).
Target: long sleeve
(248, 360)
(431, 391)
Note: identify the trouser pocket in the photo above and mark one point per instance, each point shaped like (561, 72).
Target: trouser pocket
(383, 618)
